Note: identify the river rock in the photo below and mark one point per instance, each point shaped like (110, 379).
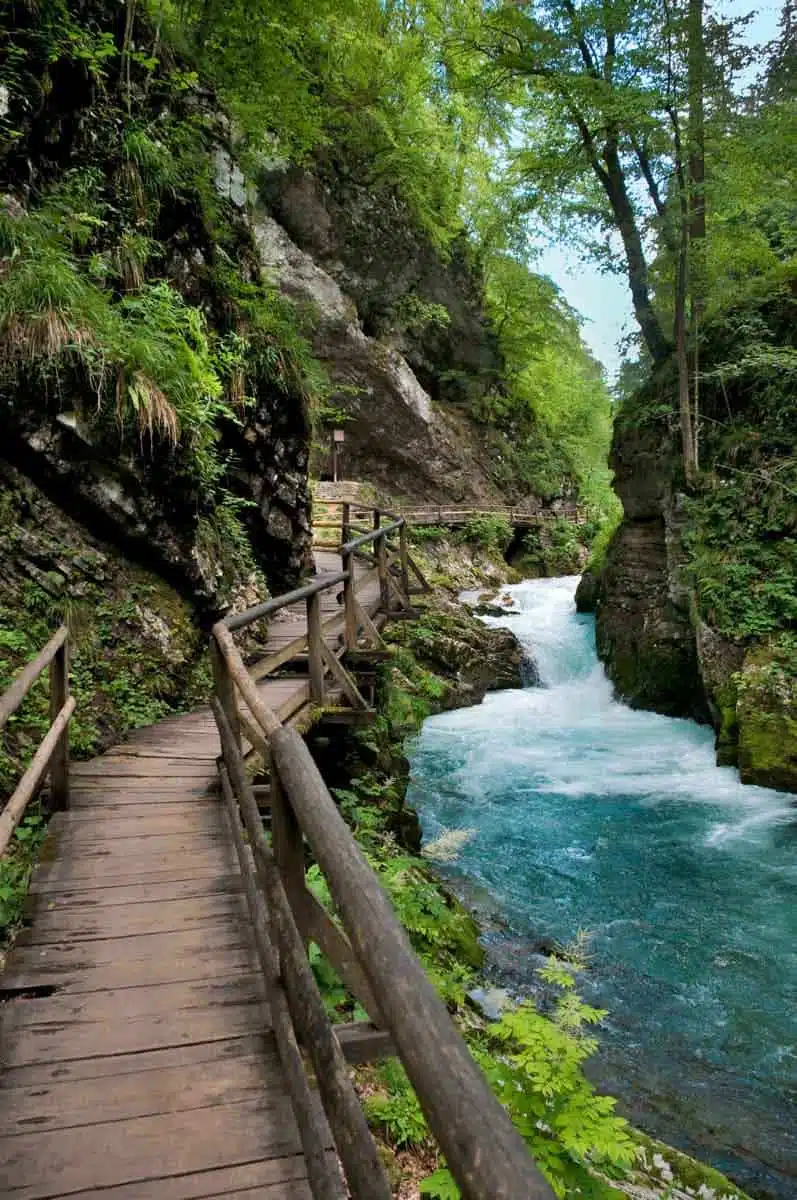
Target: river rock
(490, 1002)
(472, 657)
(587, 593)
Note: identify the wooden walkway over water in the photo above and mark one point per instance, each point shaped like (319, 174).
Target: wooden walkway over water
(152, 1005)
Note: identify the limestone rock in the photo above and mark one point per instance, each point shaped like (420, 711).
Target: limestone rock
(396, 437)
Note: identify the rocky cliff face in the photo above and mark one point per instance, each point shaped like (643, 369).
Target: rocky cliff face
(137, 647)
(643, 626)
(670, 647)
(355, 260)
(367, 241)
(116, 214)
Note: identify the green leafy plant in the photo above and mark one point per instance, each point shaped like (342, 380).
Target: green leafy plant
(15, 868)
(395, 1109)
(490, 531)
(534, 1064)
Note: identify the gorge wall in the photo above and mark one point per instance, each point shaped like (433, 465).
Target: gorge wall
(400, 327)
(696, 604)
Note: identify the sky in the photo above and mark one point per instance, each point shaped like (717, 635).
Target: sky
(604, 301)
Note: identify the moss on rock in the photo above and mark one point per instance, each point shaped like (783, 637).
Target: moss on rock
(137, 647)
(766, 712)
(469, 657)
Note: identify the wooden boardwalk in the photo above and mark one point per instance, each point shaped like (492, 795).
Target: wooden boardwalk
(137, 1056)
(162, 1035)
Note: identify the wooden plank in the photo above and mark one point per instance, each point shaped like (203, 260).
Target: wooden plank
(136, 844)
(101, 1156)
(282, 1178)
(202, 749)
(362, 1042)
(26, 972)
(131, 822)
(143, 948)
(114, 1066)
(94, 798)
(47, 1041)
(88, 846)
(110, 767)
(67, 1104)
(85, 923)
(20, 1016)
(215, 858)
(126, 893)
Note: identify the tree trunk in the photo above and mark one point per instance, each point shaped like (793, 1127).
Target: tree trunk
(697, 198)
(682, 358)
(613, 180)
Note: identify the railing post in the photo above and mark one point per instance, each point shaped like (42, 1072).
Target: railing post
(381, 566)
(286, 837)
(377, 518)
(59, 694)
(350, 604)
(314, 640)
(345, 524)
(225, 689)
(405, 560)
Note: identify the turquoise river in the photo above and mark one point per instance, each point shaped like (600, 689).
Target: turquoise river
(587, 815)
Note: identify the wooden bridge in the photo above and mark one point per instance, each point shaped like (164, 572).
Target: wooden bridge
(518, 517)
(162, 1035)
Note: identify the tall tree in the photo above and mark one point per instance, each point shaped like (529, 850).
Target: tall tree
(612, 93)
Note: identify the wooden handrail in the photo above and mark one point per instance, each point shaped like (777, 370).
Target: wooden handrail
(455, 514)
(376, 535)
(239, 620)
(53, 752)
(16, 693)
(484, 1152)
(364, 1171)
(371, 952)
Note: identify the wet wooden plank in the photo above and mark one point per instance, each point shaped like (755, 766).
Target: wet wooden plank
(92, 798)
(112, 893)
(214, 858)
(109, 952)
(141, 768)
(138, 822)
(94, 861)
(27, 972)
(115, 1005)
(79, 840)
(182, 871)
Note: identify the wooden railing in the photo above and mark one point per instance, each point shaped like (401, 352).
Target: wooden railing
(53, 753)
(372, 534)
(365, 944)
(447, 514)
